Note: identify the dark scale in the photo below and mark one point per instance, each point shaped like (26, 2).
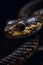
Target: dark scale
(23, 54)
(20, 55)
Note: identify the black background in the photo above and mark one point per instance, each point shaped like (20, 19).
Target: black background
(9, 10)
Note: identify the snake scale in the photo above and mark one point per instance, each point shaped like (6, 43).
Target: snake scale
(21, 54)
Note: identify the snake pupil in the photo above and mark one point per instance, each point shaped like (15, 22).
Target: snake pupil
(21, 26)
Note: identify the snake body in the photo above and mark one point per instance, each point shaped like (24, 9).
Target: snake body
(21, 54)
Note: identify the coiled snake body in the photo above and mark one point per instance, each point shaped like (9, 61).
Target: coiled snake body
(24, 52)
(21, 54)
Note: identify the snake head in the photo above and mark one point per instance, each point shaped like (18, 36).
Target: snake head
(24, 27)
(14, 25)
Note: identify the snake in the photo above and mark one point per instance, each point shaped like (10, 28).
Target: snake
(30, 15)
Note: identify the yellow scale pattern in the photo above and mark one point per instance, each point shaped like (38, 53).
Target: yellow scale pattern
(21, 54)
(28, 30)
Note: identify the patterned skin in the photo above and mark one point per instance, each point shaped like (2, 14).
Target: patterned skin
(26, 50)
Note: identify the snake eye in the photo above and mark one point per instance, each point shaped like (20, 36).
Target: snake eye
(21, 26)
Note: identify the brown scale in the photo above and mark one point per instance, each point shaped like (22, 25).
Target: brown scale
(20, 56)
